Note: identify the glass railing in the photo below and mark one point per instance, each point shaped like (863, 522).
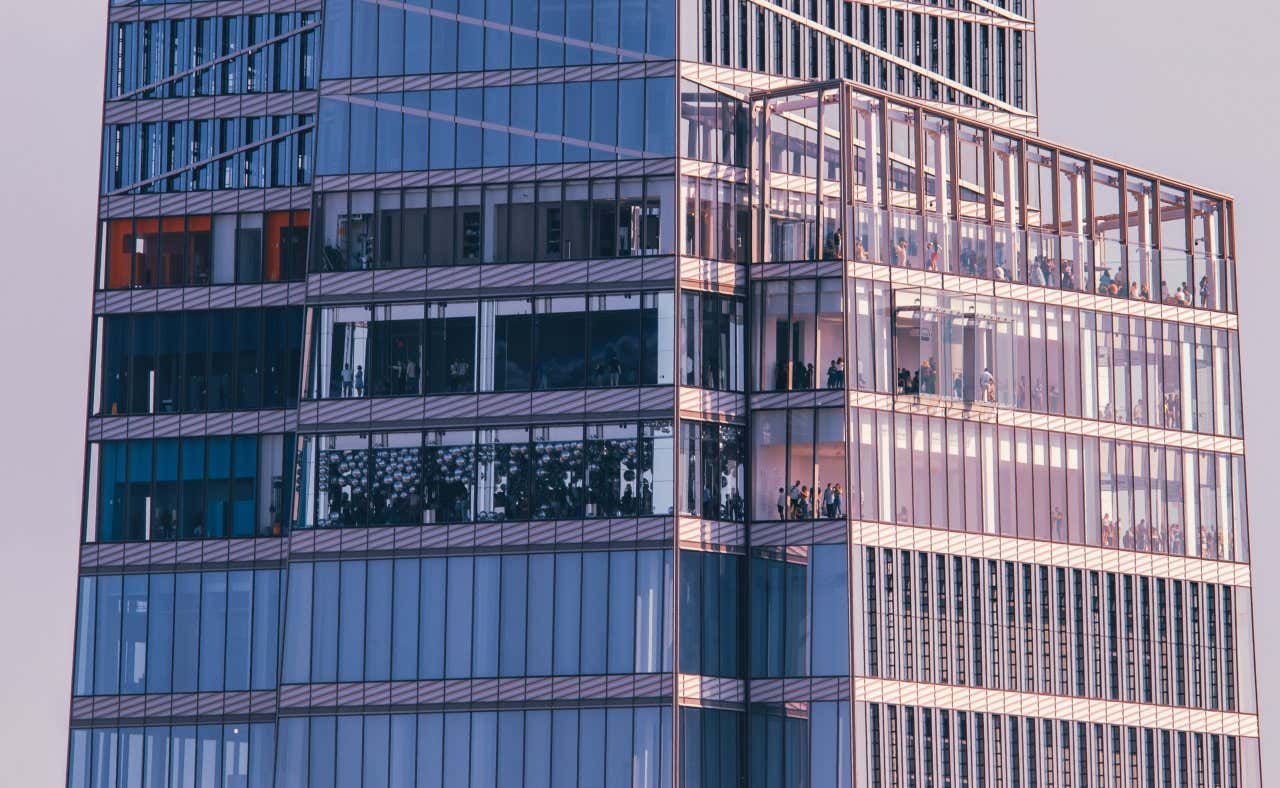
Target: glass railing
(1039, 258)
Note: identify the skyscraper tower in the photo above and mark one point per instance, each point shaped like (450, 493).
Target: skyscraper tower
(648, 393)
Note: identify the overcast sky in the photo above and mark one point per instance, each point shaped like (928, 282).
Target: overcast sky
(1180, 87)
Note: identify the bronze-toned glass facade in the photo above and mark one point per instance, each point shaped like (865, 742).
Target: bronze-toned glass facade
(648, 393)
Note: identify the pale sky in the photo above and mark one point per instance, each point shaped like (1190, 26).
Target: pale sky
(1185, 88)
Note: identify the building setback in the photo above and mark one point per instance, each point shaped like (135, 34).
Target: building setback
(648, 393)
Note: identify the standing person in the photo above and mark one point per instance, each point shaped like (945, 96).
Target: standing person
(1204, 290)
(828, 502)
(957, 387)
(794, 510)
(831, 375)
(987, 383)
(840, 372)
(346, 380)
(615, 370)
(782, 504)
(837, 502)
(411, 377)
(359, 381)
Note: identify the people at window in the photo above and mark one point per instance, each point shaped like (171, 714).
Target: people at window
(800, 502)
(1071, 362)
(832, 246)
(900, 253)
(833, 501)
(987, 385)
(619, 470)
(835, 374)
(801, 326)
(928, 376)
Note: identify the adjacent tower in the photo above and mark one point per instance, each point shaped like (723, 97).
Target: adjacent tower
(648, 393)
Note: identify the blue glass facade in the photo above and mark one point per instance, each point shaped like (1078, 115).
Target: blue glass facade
(647, 393)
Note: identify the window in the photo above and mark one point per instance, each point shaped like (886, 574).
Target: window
(166, 632)
(712, 327)
(171, 58)
(520, 223)
(713, 458)
(801, 335)
(199, 250)
(203, 154)
(799, 614)
(465, 617)
(596, 341)
(604, 470)
(189, 488)
(799, 466)
(709, 614)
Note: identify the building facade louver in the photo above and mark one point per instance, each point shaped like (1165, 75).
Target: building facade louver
(647, 393)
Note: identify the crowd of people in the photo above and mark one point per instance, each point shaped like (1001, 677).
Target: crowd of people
(799, 376)
(1118, 286)
(1144, 537)
(802, 503)
(1042, 271)
(925, 381)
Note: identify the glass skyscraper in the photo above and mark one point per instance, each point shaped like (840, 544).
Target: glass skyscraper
(655, 393)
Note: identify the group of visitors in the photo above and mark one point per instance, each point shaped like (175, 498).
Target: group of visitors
(1183, 295)
(1045, 272)
(835, 374)
(803, 376)
(352, 382)
(1148, 538)
(925, 381)
(802, 503)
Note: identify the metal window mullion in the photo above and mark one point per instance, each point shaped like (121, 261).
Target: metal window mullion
(882, 129)
(988, 165)
(1123, 221)
(918, 143)
(849, 316)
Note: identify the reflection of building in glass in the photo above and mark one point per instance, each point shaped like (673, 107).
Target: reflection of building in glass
(652, 393)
